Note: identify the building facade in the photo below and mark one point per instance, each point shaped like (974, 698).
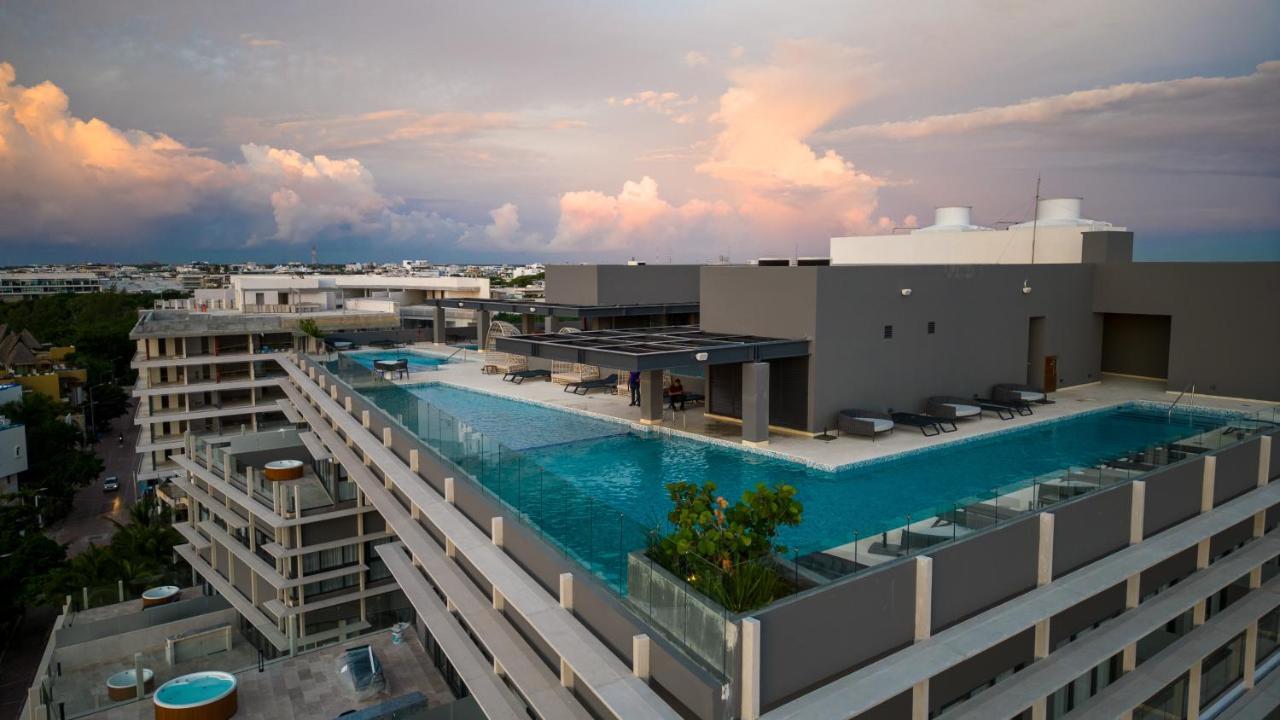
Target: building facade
(25, 286)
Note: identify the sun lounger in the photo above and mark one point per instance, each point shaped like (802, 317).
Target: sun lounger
(953, 408)
(926, 423)
(582, 388)
(1008, 392)
(519, 376)
(868, 423)
(1022, 408)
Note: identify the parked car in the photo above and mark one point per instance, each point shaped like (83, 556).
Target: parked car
(111, 484)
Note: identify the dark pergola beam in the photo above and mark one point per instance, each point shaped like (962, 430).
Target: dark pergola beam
(426, 309)
(639, 350)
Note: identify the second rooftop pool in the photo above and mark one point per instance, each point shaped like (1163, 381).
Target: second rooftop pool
(596, 487)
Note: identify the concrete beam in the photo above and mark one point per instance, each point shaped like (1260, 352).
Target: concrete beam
(755, 403)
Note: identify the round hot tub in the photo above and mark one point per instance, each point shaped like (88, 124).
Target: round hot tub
(199, 696)
(124, 685)
(278, 470)
(161, 595)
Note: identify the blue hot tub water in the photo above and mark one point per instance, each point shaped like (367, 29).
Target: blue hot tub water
(418, 361)
(195, 691)
(575, 475)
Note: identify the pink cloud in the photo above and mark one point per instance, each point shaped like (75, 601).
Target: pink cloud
(590, 219)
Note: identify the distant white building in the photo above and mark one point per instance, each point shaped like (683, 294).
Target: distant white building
(1057, 235)
(13, 442)
(24, 285)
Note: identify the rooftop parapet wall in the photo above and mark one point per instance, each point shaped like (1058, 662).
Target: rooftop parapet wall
(622, 284)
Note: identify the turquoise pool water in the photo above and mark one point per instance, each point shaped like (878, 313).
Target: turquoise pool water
(418, 361)
(193, 691)
(595, 486)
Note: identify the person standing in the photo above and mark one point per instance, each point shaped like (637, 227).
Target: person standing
(633, 383)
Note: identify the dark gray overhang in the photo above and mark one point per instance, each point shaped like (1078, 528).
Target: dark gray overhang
(651, 348)
(527, 307)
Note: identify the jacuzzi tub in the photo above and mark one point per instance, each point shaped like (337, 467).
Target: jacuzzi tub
(160, 595)
(124, 686)
(207, 695)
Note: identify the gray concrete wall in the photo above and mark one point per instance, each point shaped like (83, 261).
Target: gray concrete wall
(967, 581)
(622, 284)
(809, 639)
(1090, 527)
(981, 321)
(1224, 334)
(149, 638)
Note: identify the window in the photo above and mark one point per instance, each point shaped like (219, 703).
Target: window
(888, 332)
(933, 327)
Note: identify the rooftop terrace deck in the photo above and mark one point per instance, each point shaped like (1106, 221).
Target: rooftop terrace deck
(842, 451)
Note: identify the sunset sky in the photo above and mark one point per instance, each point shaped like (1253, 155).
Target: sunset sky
(599, 131)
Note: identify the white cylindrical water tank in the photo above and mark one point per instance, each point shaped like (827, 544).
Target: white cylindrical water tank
(954, 215)
(1064, 208)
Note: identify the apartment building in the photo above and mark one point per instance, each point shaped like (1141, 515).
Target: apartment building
(15, 286)
(216, 372)
(277, 527)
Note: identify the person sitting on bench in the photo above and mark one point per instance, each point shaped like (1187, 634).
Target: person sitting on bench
(675, 393)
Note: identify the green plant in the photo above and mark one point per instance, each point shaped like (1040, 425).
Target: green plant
(309, 327)
(725, 550)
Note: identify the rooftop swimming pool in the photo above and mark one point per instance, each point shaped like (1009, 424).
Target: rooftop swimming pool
(596, 486)
(418, 361)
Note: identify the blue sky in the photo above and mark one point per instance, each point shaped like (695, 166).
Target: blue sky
(593, 131)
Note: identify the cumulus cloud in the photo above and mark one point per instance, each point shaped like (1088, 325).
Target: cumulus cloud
(777, 188)
(1259, 89)
(63, 177)
(693, 58)
(762, 153)
(590, 219)
(669, 103)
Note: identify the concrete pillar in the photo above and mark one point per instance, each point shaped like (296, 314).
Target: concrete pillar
(526, 324)
(920, 700)
(495, 532)
(450, 493)
(553, 324)
(640, 656)
(482, 329)
(1264, 459)
(566, 674)
(1044, 576)
(750, 669)
(651, 397)
(755, 403)
(386, 437)
(1250, 654)
(415, 462)
(1193, 690)
(438, 327)
(139, 682)
(924, 598)
(364, 418)
(120, 590)
(566, 591)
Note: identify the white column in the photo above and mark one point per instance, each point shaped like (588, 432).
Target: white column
(750, 669)
(566, 591)
(495, 532)
(640, 656)
(923, 630)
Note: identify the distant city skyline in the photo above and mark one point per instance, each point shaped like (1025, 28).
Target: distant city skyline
(497, 132)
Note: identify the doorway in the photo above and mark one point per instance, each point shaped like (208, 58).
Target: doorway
(1035, 352)
(1050, 374)
(1136, 345)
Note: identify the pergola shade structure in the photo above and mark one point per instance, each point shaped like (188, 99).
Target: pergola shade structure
(652, 348)
(549, 309)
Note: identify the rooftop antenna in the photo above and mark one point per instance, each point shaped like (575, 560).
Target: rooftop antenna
(1035, 219)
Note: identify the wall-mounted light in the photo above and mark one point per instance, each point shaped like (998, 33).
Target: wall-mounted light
(533, 310)
(1026, 287)
(906, 292)
(700, 357)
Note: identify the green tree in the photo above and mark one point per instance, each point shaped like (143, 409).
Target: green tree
(725, 549)
(309, 327)
(58, 464)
